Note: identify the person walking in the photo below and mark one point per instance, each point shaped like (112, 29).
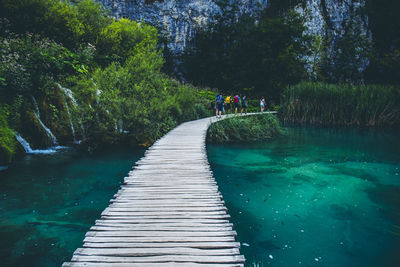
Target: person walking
(228, 104)
(236, 101)
(219, 105)
(262, 103)
(244, 104)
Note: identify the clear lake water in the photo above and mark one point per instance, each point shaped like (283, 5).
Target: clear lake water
(315, 197)
(48, 202)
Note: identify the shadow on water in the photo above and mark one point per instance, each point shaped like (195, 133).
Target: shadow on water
(388, 198)
(249, 228)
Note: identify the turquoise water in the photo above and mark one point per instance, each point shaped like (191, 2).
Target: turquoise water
(316, 197)
(48, 203)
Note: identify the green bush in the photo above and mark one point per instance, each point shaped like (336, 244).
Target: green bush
(245, 128)
(341, 104)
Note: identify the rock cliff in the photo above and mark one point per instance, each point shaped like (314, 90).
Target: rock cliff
(179, 19)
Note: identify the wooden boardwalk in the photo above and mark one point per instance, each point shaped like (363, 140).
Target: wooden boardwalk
(169, 211)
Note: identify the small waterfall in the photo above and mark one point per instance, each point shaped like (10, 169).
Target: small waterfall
(48, 131)
(29, 150)
(121, 126)
(68, 93)
(24, 144)
(70, 120)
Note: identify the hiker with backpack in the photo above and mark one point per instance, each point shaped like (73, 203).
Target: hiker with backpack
(236, 101)
(262, 103)
(219, 105)
(244, 104)
(228, 101)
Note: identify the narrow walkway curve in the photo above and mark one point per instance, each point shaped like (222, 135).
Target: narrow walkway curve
(168, 212)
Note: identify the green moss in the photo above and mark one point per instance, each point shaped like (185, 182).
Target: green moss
(245, 128)
(8, 144)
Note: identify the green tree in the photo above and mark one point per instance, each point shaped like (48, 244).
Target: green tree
(262, 54)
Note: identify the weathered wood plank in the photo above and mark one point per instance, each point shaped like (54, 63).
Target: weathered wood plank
(114, 233)
(203, 245)
(140, 252)
(159, 239)
(160, 228)
(162, 221)
(172, 209)
(174, 217)
(143, 264)
(167, 258)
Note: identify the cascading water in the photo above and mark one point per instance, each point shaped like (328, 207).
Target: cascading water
(70, 95)
(29, 150)
(24, 144)
(68, 92)
(47, 130)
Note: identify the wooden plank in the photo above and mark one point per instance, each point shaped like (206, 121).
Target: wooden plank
(171, 206)
(163, 221)
(143, 264)
(168, 216)
(160, 259)
(114, 233)
(140, 252)
(159, 239)
(163, 213)
(129, 210)
(144, 202)
(203, 245)
(158, 228)
(162, 225)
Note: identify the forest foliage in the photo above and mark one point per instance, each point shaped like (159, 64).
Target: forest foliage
(256, 55)
(262, 54)
(89, 77)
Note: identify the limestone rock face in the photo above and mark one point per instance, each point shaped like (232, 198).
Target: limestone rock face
(333, 19)
(179, 19)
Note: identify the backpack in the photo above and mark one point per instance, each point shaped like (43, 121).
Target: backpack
(220, 99)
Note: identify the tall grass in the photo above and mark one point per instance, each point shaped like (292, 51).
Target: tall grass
(341, 104)
(245, 128)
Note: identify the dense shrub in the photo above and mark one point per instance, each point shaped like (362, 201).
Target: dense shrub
(341, 104)
(245, 128)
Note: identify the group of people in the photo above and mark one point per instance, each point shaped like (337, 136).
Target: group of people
(236, 103)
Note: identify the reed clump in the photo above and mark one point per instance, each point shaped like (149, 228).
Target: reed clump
(341, 104)
(245, 128)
